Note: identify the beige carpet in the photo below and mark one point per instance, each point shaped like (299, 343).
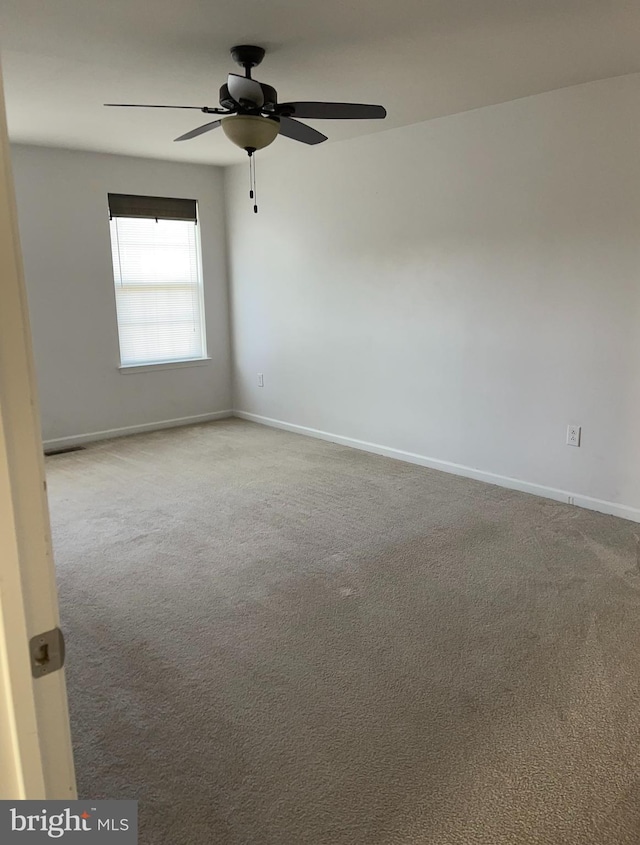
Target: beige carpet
(278, 641)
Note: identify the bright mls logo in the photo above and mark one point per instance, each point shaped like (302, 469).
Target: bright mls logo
(26, 822)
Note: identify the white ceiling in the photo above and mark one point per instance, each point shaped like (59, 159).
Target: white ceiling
(420, 58)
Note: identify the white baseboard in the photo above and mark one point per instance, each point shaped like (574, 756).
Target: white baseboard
(79, 439)
(612, 508)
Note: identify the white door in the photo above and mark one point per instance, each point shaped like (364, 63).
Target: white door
(35, 745)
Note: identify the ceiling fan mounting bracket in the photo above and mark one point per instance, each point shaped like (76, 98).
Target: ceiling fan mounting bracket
(247, 56)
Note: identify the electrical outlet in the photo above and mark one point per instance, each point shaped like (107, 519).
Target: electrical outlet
(573, 435)
(260, 379)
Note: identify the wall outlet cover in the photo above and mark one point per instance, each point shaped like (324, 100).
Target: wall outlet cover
(573, 435)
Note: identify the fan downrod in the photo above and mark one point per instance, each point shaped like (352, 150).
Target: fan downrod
(247, 56)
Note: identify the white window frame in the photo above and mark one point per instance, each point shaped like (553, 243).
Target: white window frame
(173, 363)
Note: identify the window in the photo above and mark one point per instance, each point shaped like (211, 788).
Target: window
(158, 279)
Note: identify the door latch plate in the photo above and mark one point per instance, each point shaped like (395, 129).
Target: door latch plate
(47, 652)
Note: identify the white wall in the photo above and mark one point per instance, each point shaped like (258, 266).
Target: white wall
(64, 229)
(461, 289)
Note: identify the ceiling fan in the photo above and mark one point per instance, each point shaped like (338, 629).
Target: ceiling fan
(252, 117)
(243, 97)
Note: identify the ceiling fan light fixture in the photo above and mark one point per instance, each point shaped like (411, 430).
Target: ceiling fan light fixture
(250, 132)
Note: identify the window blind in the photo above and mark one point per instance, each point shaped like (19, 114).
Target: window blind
(156, 208)
(158, 286)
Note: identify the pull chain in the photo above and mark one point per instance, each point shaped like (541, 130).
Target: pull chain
(255, 190)
(253, 193)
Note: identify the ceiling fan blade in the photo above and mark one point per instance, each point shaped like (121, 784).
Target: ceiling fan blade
(147, 106)
(200, 130)
(300, 131)
(246, 92)
(339, 111)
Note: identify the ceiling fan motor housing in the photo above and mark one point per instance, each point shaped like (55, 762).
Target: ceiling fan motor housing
(270, 98)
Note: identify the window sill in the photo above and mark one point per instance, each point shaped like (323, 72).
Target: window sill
(166, 365)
